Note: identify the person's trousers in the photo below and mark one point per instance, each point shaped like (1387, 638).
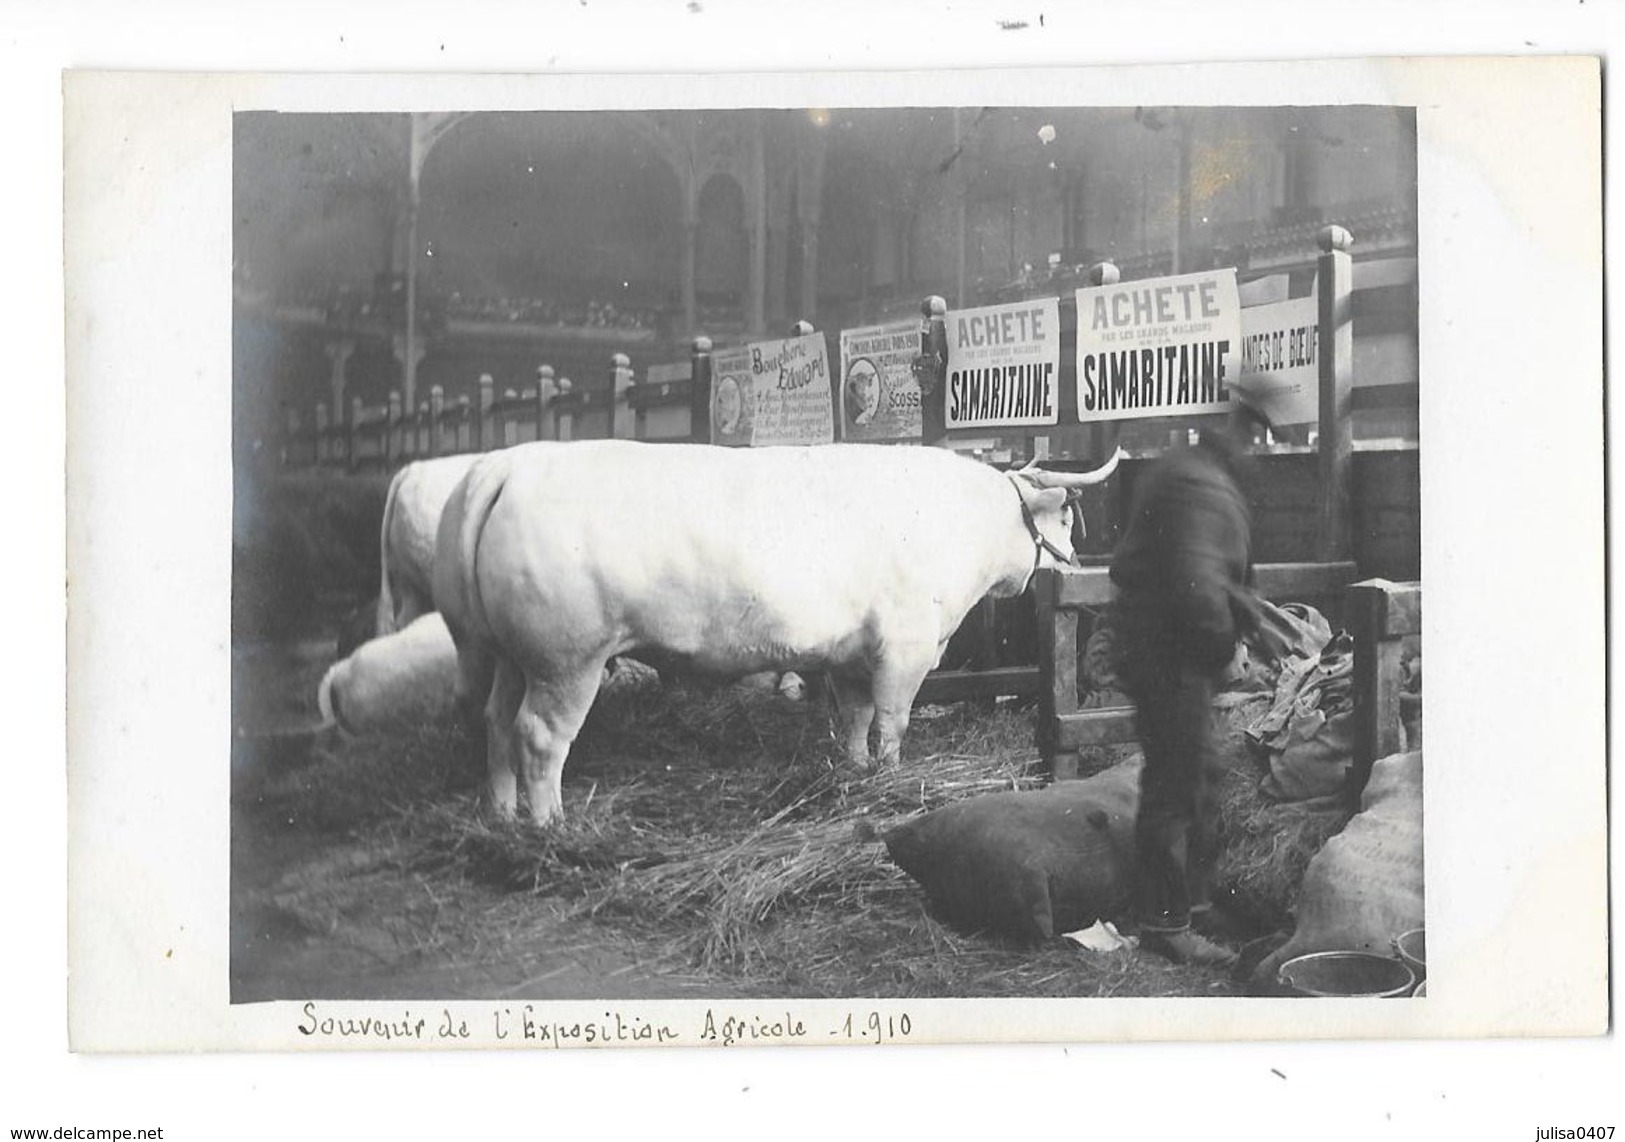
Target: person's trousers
(1174, 831)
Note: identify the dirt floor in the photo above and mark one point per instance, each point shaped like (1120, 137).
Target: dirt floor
(709, 852)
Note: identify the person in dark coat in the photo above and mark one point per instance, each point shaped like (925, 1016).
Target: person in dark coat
(1182, 571)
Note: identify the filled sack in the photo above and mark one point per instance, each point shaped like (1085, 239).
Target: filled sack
(1364, 887)
(1029, 865)
(1308, 731)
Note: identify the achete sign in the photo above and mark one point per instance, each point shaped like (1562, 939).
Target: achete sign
(1003, 362)
(1158, 347)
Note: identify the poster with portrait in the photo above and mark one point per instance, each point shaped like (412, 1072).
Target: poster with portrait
(880, 397)
(732, 404)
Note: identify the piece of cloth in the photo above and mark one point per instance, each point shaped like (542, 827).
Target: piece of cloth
(1291, 630)
(1182, 571)
(1101, 936)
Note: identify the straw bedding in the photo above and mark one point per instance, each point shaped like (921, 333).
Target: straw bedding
(721, 828)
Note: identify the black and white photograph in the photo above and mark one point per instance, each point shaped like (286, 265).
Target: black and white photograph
(826, 552)
(650, 552)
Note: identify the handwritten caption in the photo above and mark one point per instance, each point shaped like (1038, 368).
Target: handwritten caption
(528, 1025)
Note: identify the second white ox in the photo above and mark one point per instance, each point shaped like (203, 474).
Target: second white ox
(857, 559)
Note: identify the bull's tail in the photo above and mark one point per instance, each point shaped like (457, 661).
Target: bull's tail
(485, 486)
(386, 596)
(463, 607)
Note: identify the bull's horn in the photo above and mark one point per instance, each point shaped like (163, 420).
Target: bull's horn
(1047, 479)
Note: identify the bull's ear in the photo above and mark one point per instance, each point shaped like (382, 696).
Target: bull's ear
(1050, 499)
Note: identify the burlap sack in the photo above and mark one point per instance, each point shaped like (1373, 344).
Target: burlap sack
(1365, 886)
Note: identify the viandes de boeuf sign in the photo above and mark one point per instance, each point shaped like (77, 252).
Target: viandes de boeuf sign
(1002, 364)
(1159, 347)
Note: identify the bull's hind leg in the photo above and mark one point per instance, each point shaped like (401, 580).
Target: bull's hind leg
(549, 719)
(476, 673)
(854, 713)
(501, 708)
(897, 680)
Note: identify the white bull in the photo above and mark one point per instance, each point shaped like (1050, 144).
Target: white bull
(417, 496)
(860, 560)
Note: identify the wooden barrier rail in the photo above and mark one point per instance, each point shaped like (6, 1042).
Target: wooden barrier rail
(388, 435)
(1064, 727)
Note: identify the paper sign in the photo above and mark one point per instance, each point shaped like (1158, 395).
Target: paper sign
(1280, 360)
(772, 392)
(1160, 347)
(880, 398)
(1002, 364)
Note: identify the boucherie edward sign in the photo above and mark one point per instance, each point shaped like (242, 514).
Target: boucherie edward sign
(772, 392)
(1002, 364)
(1160, 347)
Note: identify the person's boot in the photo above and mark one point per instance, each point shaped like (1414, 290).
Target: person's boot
(1214, 923)
(1186, 947)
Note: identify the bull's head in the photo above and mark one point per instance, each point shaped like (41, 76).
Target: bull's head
(1049, 507)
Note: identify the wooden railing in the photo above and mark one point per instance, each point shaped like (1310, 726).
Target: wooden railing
(1065, 594)
(387, 435)
(1380, 615)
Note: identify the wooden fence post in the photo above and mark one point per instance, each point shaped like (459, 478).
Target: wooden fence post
(509, 430)
(546, 390)
(1334, 284)
(931, 370)
(488, 396)
(1379, 614)
(437, 409)
(1058, 661)
(623, 418)
(565, 417)
(353, 457)
(321, 433)
(699, 393)
(290, 434)
(392, 437)
(465, 424)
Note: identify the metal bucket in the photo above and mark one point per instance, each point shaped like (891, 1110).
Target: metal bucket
(1412, 949)
(1421, 991)
(1346, 975)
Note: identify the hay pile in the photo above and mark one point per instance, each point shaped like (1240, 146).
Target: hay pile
(1265, 845)
(721, 829)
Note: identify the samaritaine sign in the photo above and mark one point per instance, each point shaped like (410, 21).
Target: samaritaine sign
(1160, 347)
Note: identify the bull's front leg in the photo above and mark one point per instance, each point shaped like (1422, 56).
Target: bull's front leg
(897, 680)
